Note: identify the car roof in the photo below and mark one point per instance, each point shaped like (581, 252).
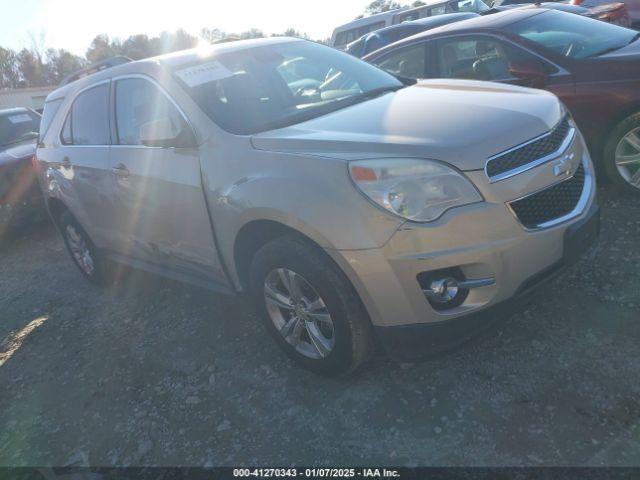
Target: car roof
(10, 111)
(154, 65)
(494, 21)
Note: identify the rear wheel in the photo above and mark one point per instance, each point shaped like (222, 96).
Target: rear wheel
(622, 155)
(310, 307)
(89, 260)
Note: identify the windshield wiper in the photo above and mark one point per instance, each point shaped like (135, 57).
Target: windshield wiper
(376, 92)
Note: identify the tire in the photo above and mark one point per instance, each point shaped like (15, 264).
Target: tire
(93, 265)
(334, 335)
(621, 175)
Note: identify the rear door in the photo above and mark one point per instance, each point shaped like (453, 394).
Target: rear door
(84, 160)
(160, 214)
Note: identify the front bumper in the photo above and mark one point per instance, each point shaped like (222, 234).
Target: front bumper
(410, 341)
(483, 240)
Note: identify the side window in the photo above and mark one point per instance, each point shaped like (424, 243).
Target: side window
(478, 58)
(408, 62)
(90, 117)
(65, 136)
(141, 107)
(48, 114)
(439, 10)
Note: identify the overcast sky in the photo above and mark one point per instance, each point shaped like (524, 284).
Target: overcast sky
(72, 24)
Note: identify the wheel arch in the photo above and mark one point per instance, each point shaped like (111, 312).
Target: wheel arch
(252, 236)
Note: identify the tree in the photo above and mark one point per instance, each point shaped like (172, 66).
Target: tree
(292, 32)
(9, 70)
(418, 3)
(31, 69)
(137, 47)
(253, 33)
(102, 47)
(379, 6)
(212, 35)
(59, 64)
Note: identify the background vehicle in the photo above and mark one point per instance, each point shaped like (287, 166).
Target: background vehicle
(615, 13)
(632, 6)
(20, 195)
(304, 176)
(592, 66)
(439, 7)
(352, 31)
(385, 36)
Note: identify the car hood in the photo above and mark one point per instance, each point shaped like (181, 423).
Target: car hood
(630, 53)
(16, 152)
(456, 121)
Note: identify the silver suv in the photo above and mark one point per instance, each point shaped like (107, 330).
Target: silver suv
(351, 207)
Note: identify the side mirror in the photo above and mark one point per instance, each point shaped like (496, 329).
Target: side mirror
(529, 70)
(163, 133)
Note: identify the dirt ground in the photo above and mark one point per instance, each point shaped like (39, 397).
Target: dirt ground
(157, 373)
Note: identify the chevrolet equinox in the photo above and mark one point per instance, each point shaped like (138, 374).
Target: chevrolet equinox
(350, 207)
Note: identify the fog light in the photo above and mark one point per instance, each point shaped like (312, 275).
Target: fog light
(443, 290)
(448, 288)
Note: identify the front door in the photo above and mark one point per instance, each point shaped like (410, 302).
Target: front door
(487, 57)
(160, 211)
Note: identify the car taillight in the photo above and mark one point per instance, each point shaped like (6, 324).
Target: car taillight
(576, 2)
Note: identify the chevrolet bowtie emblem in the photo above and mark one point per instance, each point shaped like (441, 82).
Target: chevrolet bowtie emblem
(563, 167)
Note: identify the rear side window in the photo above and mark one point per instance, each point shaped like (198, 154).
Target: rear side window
(88, 120)
(49, 113)
(140, 103)
(18, 126)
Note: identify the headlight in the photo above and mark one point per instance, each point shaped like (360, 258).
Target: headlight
(418, 190)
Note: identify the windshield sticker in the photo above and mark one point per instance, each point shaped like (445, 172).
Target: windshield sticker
(21, 118)
(205, 73)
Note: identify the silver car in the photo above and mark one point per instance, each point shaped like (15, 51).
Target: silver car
(355, 210)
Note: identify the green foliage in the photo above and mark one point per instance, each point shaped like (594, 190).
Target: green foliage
(33, 67)
(379, 6)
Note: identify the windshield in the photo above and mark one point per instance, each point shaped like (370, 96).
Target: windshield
(572, 35)
(17, 126)
(261, 88)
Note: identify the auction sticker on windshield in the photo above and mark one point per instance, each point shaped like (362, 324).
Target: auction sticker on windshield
(204, 73)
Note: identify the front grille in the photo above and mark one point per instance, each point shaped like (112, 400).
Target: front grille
(550, 204)
(530, 152)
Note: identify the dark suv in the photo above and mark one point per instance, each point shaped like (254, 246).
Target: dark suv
(19, 192)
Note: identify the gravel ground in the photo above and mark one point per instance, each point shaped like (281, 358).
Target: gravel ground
(157, 373)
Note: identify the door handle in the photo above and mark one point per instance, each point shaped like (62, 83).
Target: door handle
(120, 170)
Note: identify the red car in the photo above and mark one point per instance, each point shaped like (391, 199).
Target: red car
(593, 66)
(615, 13)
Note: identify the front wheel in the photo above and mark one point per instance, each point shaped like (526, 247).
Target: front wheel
(310, 307)
(622, 155)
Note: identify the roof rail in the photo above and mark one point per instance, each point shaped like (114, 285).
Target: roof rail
(94, 68)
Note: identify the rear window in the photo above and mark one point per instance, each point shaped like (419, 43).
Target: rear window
(49, 113)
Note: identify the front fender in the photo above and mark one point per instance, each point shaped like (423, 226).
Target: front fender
(311, 195)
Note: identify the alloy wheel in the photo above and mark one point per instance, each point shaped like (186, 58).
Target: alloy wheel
(80, 250)
(627, 157)
(299, 314)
